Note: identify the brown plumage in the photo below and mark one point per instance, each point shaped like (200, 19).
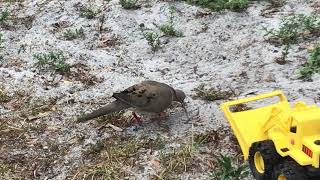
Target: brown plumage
(147, 96)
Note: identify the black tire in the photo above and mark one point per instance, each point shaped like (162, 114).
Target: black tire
(289, 170)
(266, 150)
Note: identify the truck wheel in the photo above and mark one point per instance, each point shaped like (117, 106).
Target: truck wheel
(262, 158)
(289, 170)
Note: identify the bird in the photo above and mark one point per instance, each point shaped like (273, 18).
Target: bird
(146, 96)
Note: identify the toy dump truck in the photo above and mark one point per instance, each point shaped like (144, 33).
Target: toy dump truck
(280, 141)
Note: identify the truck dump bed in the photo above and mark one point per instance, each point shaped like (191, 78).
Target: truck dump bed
(247, 125)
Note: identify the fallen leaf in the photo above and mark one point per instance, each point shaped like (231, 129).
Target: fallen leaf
(155, 163)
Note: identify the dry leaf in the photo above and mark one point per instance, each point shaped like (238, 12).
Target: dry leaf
(155, 163)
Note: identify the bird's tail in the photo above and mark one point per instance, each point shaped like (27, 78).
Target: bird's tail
(110, 108)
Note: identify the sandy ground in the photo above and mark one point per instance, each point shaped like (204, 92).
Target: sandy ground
(39, 136)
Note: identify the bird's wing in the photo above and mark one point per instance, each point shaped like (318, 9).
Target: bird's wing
(146, 95)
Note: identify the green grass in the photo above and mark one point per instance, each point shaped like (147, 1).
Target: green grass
(218, 5)
(52, 60)
(227, 171)
(313, 64)
(73, 34)
(4, 15)
(153, 39)
(168, 28)
(294, 29)
(89, 12)
(129, 4)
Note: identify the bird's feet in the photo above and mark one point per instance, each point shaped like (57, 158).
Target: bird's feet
(138, 119)
(161, 116)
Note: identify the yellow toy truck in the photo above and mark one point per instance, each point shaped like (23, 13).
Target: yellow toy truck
(280, 141)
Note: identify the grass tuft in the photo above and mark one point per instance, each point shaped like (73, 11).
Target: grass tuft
(212, 94)
(168, 28)
(153, 39)
(89, 12)
(73, 34)
(115, 156)
(218, 5)
(205, 138)
(52, 60)
(178, 161)
(4, 16)
(227, 171)
(129, 4)
(313, 64)
(294, 28)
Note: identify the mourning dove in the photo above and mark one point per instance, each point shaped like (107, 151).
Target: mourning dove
(147, 96)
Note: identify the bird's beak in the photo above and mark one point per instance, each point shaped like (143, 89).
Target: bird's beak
(185, 110)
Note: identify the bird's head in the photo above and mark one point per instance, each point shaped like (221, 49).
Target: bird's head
(179, 96)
